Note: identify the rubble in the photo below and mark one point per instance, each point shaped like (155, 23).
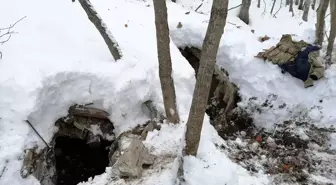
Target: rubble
(131, 161)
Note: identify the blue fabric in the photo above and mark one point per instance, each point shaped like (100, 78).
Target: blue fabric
(300, 67)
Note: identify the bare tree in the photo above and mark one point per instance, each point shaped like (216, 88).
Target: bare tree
(204, 76)
(6, 33)
(287, 2)
(332, 33)
(165, 65)
(301, 5)
(258, 5)
(102, 28)
(291, 7)
(244, 11)
(272, 7)
(320, 16)
(306, 8)
(313, 4)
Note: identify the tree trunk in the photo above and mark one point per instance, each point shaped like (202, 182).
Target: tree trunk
(320, 16)
(258, 5)
(204, 77)
(332, 33)
(287, 2)
(301, 5)
(306, 8)
(313, 4)
(296, 2)
(291, 7)
(165, 65)
(272, 7)
(102, 28)
(244, 11)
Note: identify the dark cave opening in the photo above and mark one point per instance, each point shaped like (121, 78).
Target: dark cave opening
(76, 161)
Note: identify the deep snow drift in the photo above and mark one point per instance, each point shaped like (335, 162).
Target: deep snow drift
(58, 58)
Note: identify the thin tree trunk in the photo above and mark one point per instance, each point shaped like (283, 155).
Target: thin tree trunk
(273, 6)
(313, 4)
(204, 77)
(332, 33)
(306, 8)
(320, 16)
(244, 11)
(296, 2)
(102, 28)
(165, 65)
(287, 2)
(258, 5)
(291, 7)
(301, 5)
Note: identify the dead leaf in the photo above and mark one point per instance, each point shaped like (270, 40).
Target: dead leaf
(264, 38)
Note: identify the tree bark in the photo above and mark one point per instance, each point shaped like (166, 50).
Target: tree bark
(258, 5)
(306, 8)
(313, 4)
(320, 16)
(291, 7)
(332, 33)
(272, 7)
(301, 5)
(296, 2)
(204, 77)
(165, 65)
(244, 11)
(102, 28)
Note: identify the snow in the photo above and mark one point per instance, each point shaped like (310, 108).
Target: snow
(58, 58)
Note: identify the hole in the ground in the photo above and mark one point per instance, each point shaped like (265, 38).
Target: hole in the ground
(76, 161)
(223, 97)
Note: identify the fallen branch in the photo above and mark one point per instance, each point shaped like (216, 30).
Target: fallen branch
(199, 7)
(274, 15)
(234, 7)
(102, 28)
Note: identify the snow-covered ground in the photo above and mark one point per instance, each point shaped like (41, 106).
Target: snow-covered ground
(58, 58)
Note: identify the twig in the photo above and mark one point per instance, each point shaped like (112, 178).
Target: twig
(3, 169)
(274, 15)
(325, 32)
(327, 15)
(199, 7)
(11, 26)
(38, 134)
(234, 7)
(264, 12)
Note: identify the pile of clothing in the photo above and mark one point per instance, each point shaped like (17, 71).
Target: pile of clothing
(298, 58)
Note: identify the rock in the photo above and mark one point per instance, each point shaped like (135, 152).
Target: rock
(28, 163)
(131, 161)
(254, 146)
(152, 125)
(271, 143)
(78, 110)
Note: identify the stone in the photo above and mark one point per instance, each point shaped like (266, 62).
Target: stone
(28, 163)
(79, 110)
(134, 157)
(152, 125)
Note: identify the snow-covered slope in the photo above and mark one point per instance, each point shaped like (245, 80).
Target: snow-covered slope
(58, 58)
